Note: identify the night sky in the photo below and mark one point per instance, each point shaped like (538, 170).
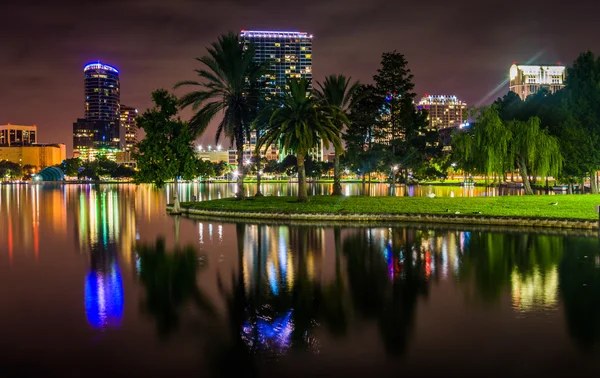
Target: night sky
(453, 47)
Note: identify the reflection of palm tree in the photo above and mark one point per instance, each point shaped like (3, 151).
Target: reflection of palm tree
(393, 306)
(333, 308)
(169, 278)
(579, 276)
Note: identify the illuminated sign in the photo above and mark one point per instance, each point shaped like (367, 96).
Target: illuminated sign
(100, 66)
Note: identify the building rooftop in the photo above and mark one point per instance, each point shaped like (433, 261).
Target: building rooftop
(274, 33)
(18, 127)
(99, 66)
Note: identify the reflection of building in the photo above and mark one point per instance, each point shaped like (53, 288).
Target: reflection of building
(99, 132)
(526, 80)
(16, 135)
(534, 290)
(291, 57)
(129, 123)
(20, 231)
(106, 229)
(39, 155)
(442, 111)
(104, 297)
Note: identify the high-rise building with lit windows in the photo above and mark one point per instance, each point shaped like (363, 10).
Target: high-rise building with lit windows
(526, 79)
(442, 111)
(291, 55)
(290, 52)
(128, 122)
(100, 131)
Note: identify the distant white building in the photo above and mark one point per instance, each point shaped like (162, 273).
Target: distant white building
(527, 79)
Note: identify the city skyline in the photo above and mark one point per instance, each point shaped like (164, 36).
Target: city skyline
(158, 57)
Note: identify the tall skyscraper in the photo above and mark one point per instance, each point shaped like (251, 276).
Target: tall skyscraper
(99, 132)
(527, 79)
(443, 111)
(128, 122)
(291, 54)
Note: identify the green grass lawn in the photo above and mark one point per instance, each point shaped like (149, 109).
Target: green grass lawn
(569, 206)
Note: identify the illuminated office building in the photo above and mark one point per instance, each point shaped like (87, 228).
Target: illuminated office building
(291, 55)
(99, 132)
(128, 116)
(443, 111)
(19, 144)
(17, 135)
(526, 79)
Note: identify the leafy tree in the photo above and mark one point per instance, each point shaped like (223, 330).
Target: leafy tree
(362, 153)
(205, 168)
(582, 98)
(167, 150)
(228, 85)
(534, 150)
(298, 122)
(123, 171)
(401, 126)
(71, 166)
(10, 170)
(337, 91)
(221, 169)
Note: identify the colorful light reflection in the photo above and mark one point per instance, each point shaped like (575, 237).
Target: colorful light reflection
(274, 335)
(104, 298)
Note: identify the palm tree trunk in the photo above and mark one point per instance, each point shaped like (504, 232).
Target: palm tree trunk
(240, 178)
(593, 183)
(302, 194)
(525, 177)
(258, 167)
(176, 206)
(337, 179)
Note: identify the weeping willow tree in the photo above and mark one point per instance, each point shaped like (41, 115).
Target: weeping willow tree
(463, 152)
(485, 148)
(534, 151)
(492, 139)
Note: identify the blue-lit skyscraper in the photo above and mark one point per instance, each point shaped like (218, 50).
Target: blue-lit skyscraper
(99, 132)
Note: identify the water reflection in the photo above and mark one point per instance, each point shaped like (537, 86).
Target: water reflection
(105, 227)
(234, 298)
(207, 192)
(579, 281)
(169, 280)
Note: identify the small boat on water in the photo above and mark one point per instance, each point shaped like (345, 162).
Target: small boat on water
(467, 183)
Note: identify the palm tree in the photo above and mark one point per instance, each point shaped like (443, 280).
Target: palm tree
(227, 85)
(337, 91)
(297, 122)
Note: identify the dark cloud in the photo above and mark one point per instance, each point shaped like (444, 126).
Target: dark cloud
(461, 47)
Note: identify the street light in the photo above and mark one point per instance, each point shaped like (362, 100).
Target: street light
(219, 147)
(395, 167)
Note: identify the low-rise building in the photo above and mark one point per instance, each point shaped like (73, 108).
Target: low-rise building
(38, 155)
(17, 135)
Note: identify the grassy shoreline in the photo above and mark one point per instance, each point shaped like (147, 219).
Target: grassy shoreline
(570, 207)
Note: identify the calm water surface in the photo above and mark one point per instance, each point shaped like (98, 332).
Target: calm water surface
(204, 192)
(98, 281)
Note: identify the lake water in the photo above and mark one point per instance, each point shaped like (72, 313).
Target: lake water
(98, 281)
(204, 192)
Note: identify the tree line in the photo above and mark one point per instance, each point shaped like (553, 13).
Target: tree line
(382, 127)
(373, 128)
